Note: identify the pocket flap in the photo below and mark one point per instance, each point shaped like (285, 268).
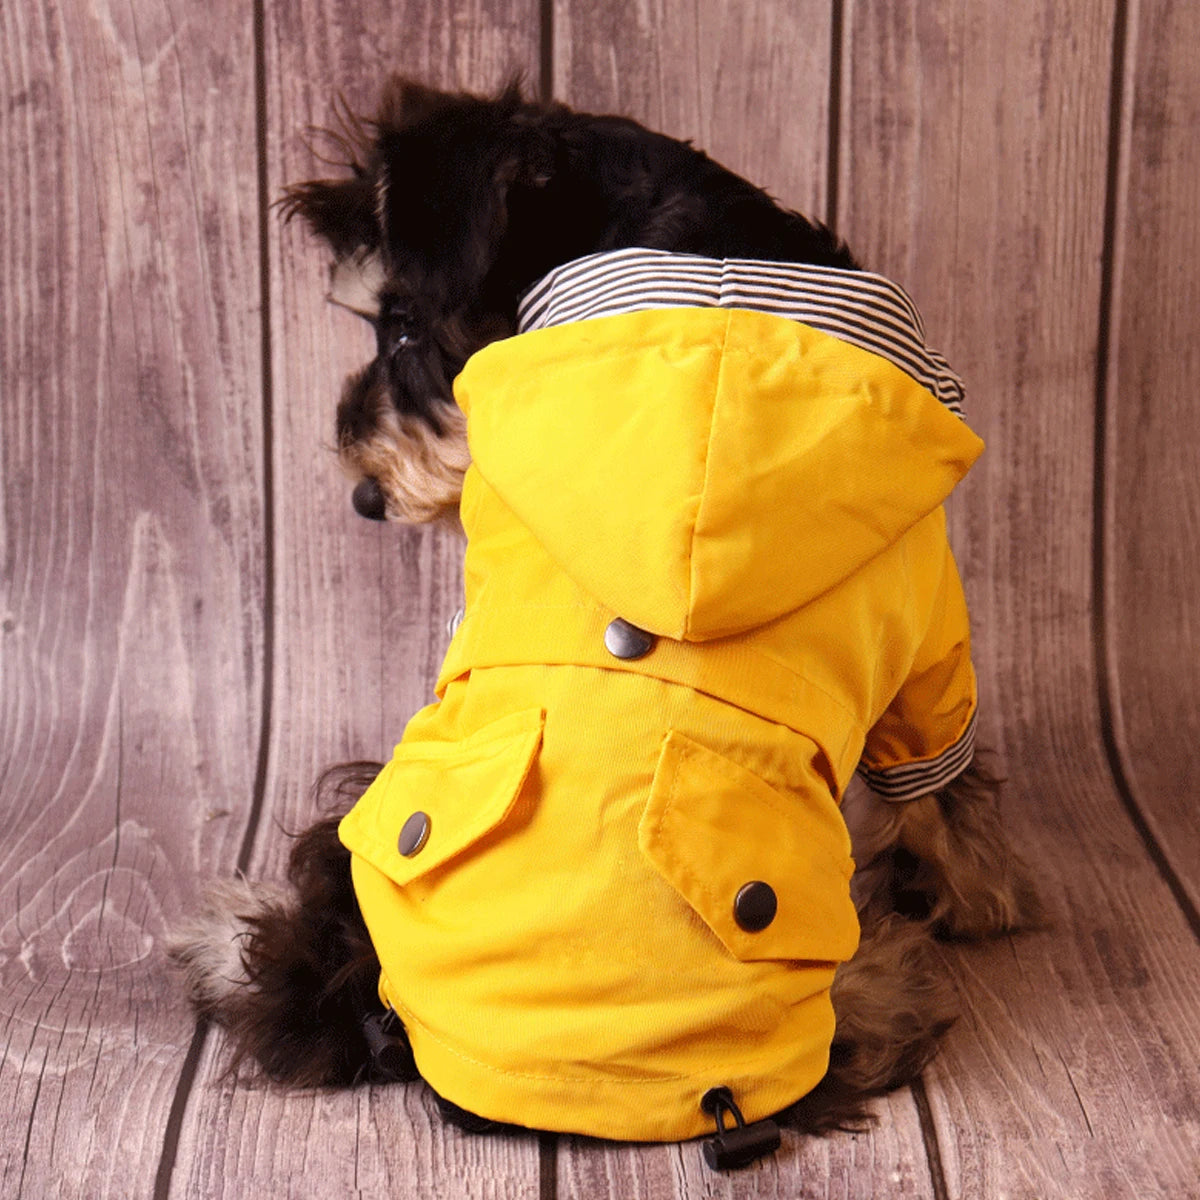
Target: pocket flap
(462, 789)
(711, 827)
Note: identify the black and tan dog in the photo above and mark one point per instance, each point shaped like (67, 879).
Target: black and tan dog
(460, 222)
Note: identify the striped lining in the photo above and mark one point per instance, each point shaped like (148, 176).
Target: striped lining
(865, 310)
(908, 781)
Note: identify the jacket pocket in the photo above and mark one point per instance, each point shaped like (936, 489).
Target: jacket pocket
(443, 797)
(711, 827)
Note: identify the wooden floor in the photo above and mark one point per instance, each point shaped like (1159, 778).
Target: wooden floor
(193, 623)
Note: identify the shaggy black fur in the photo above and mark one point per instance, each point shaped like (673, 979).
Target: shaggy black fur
(311, 970)
(464, 202)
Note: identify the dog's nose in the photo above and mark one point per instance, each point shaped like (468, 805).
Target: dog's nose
(369, 500)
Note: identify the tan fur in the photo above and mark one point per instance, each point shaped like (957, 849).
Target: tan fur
(978, 885)
(975, 883)
(894, 999)
(893, 1002)
(207, 945)
(355, 283)
(419, 471)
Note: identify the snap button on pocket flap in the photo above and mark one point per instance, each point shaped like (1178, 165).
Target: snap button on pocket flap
(767, 871)
(435, 800)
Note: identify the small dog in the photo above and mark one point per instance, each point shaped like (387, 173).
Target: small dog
(453, 209)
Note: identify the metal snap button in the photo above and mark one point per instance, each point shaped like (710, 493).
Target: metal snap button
(755, 906)
(414, 834)
(623, 640)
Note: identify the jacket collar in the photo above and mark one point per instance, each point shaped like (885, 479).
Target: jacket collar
(858, 307)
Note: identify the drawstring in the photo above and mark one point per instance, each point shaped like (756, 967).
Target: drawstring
(391, 1056)
(741, 1144)
(738, 1145)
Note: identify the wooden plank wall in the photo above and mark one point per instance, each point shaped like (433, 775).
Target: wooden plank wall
(193, 623)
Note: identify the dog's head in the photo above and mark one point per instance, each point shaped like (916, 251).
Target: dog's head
(453, 206)
(417, 232)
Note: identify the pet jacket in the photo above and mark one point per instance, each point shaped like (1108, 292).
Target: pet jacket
(706, 576)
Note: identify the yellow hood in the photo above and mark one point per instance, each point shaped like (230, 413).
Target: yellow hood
(701, 472)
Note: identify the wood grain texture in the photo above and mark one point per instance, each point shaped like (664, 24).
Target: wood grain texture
(136, 602)
(372, 1142)
(886, 1161)
(130, 593)
(1075, 1071)
(750, 84)
(361, 612)
(1152, 468)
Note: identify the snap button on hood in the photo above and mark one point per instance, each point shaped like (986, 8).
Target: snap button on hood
(626, 641)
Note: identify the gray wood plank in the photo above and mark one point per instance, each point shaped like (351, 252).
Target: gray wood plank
(372, 1142)
(132, 544)
(1152, 517)
(889, 1160)
(360, 616)
(130, 591)
(750, 84)
(1075, 1071)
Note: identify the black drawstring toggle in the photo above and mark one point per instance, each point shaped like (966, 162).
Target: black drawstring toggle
(391, 1055)
(741, 1144)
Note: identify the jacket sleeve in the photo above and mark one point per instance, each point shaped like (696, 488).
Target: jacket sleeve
(925, 737)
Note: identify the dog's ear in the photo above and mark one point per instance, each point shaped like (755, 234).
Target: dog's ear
(530, 145)
(406, 102)
(339, 211)
(446, 166)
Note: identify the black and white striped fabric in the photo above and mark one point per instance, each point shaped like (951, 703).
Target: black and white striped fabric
(862, 309)
(908, 781)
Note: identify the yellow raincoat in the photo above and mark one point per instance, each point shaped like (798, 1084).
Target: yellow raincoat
(554, 865)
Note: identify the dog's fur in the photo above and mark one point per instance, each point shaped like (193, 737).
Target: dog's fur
(452, 207)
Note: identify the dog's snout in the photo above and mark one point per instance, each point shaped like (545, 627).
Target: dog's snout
(369, 500)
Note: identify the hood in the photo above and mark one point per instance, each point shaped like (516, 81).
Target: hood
(703, 471)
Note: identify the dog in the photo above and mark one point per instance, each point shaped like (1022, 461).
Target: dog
(460, 222)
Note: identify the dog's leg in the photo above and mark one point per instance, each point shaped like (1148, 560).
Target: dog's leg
(893, 1003)
(289, 972)
(962, 860)
(945, 858)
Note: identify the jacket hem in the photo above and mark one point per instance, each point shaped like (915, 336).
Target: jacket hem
(647, 1109)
